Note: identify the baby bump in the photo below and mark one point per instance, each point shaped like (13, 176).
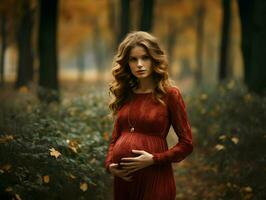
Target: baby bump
(129, 141)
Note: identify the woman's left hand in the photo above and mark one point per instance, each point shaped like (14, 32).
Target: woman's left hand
(133, 164)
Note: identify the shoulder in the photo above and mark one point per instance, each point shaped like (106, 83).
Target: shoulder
(172, 91)
(174, 96)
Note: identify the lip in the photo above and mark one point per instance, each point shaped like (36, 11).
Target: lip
(140, 71)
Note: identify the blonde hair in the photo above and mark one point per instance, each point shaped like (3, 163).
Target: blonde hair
(124, 81)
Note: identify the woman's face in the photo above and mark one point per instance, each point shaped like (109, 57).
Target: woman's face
(140, 62)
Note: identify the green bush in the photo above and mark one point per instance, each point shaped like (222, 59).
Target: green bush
(229, 126)
(78, 129)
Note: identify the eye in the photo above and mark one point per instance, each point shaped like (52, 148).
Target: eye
(145, 57)
(132, 59)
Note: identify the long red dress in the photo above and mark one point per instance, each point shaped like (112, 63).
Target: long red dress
(152, 122)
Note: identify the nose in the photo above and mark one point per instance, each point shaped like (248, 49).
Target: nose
(140, 63)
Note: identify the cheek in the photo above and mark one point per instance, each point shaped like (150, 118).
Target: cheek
(131, 67)
(149, 65)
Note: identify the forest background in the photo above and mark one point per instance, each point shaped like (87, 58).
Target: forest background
(55, 66)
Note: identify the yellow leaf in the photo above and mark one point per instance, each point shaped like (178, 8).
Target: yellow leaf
(83, 186)
(73, 149)
(9, 189)
(46, 179)
(106, 136)
(219, 147)
(6, 167)
(72, 176)
(222, 137)
(17, 197)
(247, 189)
(235, 140)
(73, 145)
(6, 138)
(23, 89)
(93, 160)
(54, 153)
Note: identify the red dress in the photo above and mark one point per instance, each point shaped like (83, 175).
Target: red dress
(152, 122)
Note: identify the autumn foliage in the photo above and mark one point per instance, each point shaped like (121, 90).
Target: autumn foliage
(54, 152)
(57, 152)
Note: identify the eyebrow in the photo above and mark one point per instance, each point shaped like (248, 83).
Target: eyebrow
(140, 56)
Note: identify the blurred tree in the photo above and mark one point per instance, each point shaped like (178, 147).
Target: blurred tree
(81, 62)
(48, 70)
(3, 46)
(98, 47)
(172, 37)
(125, 19)
(24, 41)
(225, 40)
(200, 15)
(146, 15)
(253, 28)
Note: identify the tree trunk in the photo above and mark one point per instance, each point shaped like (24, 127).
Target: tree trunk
(146, 15)
(3, 48)
(48, 70)
(253, 25)
(225, 40)
(81, 63)
(25, 54)
(125, 19)
(171, 41)
(200, 14)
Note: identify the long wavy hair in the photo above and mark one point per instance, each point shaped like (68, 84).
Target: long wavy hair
(124, 81)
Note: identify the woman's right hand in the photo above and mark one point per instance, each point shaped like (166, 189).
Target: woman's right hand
(120, 172)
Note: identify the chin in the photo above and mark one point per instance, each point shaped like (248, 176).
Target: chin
(142, 76)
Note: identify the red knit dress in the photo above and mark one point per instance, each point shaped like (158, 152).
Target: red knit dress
(152, 121)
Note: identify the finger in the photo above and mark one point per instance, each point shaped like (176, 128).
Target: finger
(113, 165)
(138, 151)
(127, 163)
(129, 158)
(129, 167)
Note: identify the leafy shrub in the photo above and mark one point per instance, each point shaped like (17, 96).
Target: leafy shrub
(229, 126)
(55, 151)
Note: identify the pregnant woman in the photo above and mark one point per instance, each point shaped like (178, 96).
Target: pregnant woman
(145, 104)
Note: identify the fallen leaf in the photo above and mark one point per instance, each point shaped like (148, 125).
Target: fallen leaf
(83, 186)
(9, 189)
(46, 179)
(93, 160)
(73, 145)
(106, 136)
(6, 138)
(219, 147)
(222, 137)
(247, 189)
(5, 167)
(17, 197)
(72, 176)
(54, 153)
(235, 140)
(23, 89)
